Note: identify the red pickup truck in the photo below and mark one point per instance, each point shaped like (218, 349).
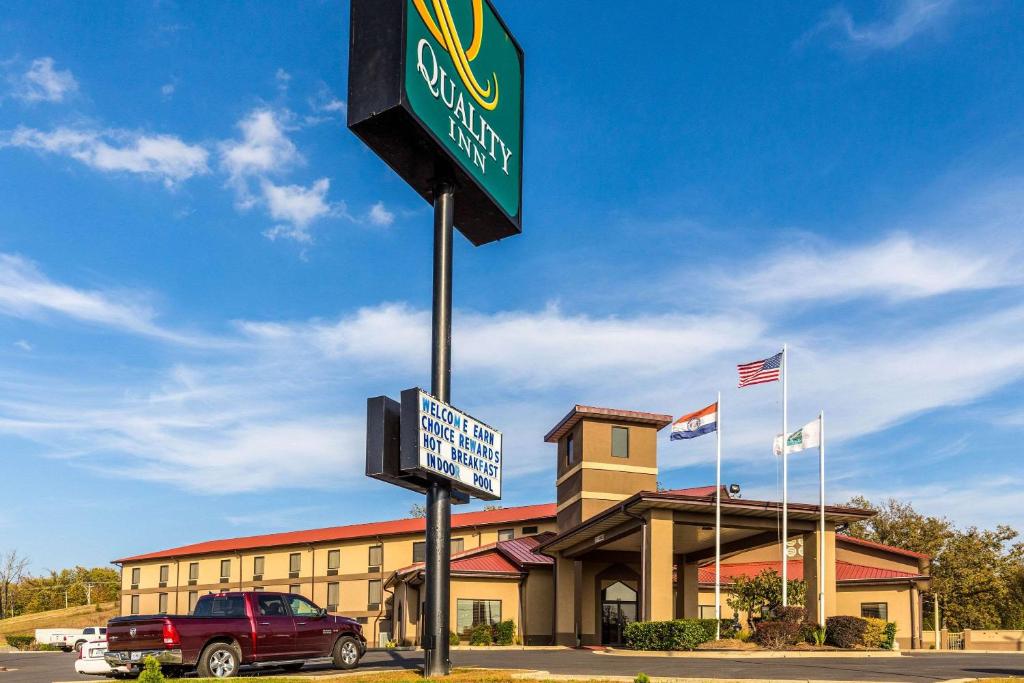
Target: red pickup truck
(227, 630)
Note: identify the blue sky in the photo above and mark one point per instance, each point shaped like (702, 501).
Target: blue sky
(203, 274)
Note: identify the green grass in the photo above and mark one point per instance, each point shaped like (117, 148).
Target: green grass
(73, 617)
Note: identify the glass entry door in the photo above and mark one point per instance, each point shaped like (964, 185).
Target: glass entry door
(618, 609)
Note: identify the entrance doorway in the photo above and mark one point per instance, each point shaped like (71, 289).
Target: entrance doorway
(618, 609)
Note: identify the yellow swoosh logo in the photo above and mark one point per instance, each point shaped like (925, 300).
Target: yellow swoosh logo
(444, 32)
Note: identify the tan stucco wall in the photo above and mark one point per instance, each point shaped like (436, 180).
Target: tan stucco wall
(538, 596)
(352, 577)
(505, 590)
(1005, 640)
(849, 599)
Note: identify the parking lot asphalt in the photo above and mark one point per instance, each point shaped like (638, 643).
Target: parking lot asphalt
(919, 668)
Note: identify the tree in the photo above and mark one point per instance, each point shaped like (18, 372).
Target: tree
(12, 570)
(898, 524)
(972, 575)
(760, 595)
(418, 510)
(977, 573)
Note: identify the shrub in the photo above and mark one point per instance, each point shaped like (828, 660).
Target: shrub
(680, 634)
(505, 632)
(642, 678)
(744, 636)
(481, 635)
(818, 635)
(845, 632)
(778, 634)
(794, 615)
(20, 642)
(729, 628)
(874, 633)
(890, 635)
(151, 672)
(453, 638)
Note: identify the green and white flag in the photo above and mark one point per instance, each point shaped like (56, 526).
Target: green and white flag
(808, 436)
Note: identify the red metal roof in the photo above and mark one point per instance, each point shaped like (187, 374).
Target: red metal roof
(841, 538)
(491, 562)
(845, 571)
(338, 533)
(521, 550)
(705, 491)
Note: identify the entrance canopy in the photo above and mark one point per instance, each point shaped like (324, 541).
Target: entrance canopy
(746, 524)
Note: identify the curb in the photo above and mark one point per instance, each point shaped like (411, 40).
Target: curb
(507, 648)
(548, 676)
(749, 654)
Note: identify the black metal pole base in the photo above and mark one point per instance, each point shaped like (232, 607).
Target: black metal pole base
(439, 506)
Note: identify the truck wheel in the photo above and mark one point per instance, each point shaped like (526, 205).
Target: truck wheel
(346, 653)
(78, 645)
(219, 660)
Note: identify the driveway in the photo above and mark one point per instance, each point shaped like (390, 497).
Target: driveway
(919, 668)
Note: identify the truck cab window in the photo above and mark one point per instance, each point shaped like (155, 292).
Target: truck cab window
(302, 607)
(271, 606)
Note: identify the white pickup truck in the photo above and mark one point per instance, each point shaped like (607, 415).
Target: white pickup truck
(69, 639)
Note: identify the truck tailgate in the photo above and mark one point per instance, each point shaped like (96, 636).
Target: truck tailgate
(136, 633)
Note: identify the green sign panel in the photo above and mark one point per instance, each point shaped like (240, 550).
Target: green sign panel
(464, 82)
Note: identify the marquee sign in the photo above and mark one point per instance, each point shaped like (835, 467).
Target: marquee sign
(439, 440)
(436, 88)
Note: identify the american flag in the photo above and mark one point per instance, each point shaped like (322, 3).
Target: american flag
(760, 371)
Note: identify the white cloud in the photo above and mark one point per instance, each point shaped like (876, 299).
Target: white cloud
(165, 157)
(911, 19)
(298, 206)
(167, 90)
(899, 267)
(264, 148)
(43, 83)
(283, 78)
(379, 215)
(25, 292)
(23, 344)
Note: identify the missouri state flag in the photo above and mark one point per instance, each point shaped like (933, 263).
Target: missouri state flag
(700, 422)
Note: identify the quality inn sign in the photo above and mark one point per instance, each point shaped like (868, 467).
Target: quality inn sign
(436, 87)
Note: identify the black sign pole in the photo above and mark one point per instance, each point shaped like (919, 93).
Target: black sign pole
(439, 507)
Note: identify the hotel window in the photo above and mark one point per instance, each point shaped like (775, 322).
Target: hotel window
(529, 530)
(193, 598)
(333, 596)
(620, 442)
(362, 620)
(257, 568)
(295, 588)
(458, 545)
(135, 604)
(333, 562)
(161, 603)
(193, 573)
(506, 534)
(707, 611)
(257, 589)
(376, 558)
(225, 571)
(419, 551)
(373, 594)
(570, 452)
(294, 565)
(472, 613)
(875, 610)
(164, 573)
(136, 575)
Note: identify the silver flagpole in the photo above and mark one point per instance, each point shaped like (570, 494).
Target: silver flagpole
(821, 493)
(785, 481)
(718, 518)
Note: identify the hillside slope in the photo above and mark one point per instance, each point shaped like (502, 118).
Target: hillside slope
(72, 617)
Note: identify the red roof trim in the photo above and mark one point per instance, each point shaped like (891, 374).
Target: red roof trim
(339, 533)
(845, 571)
(842, 538)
